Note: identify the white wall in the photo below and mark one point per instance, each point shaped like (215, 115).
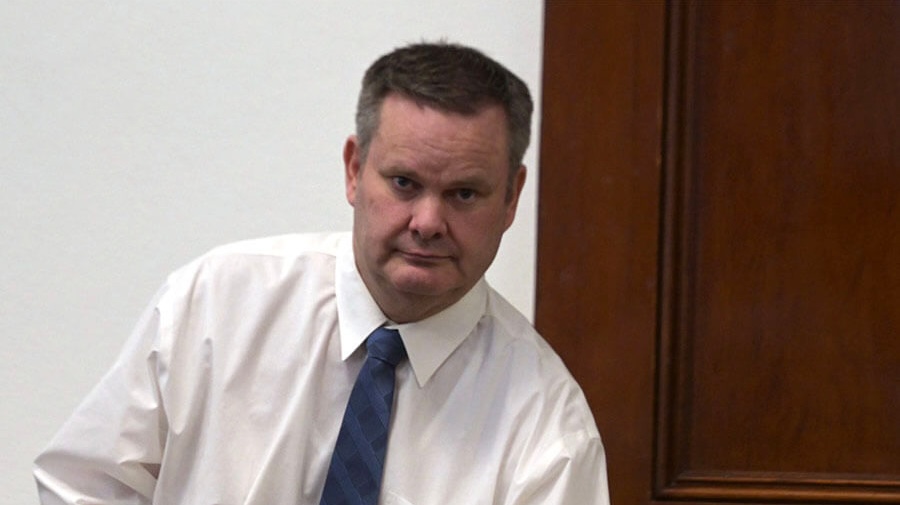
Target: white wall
(136, 135)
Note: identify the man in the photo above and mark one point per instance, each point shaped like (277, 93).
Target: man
(234, 387)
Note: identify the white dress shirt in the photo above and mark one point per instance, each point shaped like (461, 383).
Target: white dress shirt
(232, 388)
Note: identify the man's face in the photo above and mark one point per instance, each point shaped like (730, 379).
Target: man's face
(430, 204)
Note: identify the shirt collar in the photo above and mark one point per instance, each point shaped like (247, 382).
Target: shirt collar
(428, 342)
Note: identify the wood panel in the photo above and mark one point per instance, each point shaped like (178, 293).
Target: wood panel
(781, 308)
(598, 217)
(719, 244)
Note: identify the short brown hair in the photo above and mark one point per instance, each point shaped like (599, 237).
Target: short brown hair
(447, 77)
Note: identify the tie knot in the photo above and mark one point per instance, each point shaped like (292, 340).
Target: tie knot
(386, 345)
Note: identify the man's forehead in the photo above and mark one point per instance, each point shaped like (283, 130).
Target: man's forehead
(402, 115)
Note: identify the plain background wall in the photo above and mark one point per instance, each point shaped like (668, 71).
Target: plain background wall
(135, 135)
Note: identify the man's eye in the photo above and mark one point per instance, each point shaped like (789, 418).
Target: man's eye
(465, 194)
(402, 182)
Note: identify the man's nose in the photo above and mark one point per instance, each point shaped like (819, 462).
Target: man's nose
(428, 220)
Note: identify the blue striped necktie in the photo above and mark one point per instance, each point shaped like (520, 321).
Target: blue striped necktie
(354, 477)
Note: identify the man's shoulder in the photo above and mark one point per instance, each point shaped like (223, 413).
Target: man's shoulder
(287, 245)
(509, 323)
(266, 259)
(538, 372)
(517, 339)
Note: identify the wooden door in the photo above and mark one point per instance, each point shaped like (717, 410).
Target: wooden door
(719, 243)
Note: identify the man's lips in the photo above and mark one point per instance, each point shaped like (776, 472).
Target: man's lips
(423, 256)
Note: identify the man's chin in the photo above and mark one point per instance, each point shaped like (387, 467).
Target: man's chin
(421, 284)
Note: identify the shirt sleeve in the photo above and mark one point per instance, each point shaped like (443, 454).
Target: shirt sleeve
(571, 471)
(109, 450)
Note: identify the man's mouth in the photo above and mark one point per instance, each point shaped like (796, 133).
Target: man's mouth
(423, 257)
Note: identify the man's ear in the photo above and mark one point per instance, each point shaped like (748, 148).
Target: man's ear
(518, 183)
(351, 168)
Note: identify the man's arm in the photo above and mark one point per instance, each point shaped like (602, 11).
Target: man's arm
(110, 448)
(572, 470)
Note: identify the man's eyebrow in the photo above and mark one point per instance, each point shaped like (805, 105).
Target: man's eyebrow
(398, 170)
(473, 181)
